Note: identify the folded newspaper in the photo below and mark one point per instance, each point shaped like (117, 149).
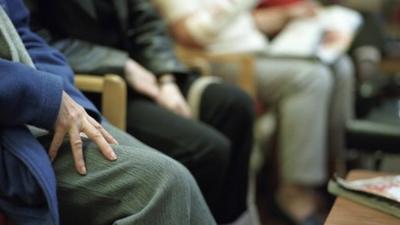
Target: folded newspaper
(381, 193)
(304, 37)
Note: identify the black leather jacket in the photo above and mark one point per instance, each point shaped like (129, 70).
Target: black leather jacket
(98, 36)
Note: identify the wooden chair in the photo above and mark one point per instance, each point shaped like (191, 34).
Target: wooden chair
(202, 59)
(114, 94)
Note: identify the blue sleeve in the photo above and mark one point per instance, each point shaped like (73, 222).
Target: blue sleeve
(50, 64)
(28, 96)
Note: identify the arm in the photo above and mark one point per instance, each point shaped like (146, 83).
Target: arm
(89, 58)
(66, 116)
(28, 96)
(196, 25)
(271, 20)
(47, 60)
(150, 43)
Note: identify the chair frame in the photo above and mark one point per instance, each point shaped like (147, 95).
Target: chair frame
(114, 95)
(201, 59)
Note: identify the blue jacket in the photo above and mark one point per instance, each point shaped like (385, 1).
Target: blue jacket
(31, 96)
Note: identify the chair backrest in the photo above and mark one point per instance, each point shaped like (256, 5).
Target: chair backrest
(114, 93)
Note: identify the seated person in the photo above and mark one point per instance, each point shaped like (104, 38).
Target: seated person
(119, 179)
(307, 94)
(212, 138)
(367, 50)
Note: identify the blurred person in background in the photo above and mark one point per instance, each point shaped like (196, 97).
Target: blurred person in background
(304, 92)
(370, 45)
(212, 138)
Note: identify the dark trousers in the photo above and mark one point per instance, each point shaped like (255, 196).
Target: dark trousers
(215, 149)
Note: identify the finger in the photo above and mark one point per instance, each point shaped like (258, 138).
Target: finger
(151, 90)
(97, 137)
(57, 141)
(83, 135)
(77, 152)
(109, 138)
(154, 91)
(179, 109)
(188, 112)
(183, 107)
(185, 110)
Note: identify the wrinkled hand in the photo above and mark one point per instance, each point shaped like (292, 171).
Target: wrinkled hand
(72, 120)
(171, 98)
(141, 80)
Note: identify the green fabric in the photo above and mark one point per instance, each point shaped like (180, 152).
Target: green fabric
(371, 201)
(142, 187)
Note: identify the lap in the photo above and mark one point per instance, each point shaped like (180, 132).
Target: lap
(273, 71)
(282, 78)
(102, 194)
(176, 136)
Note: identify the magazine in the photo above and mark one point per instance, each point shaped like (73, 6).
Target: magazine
(381, 193)
(305, 38)
(386, 187)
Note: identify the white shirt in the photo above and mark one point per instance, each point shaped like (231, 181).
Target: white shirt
(239, 35)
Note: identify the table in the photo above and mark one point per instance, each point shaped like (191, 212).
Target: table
(346, 212)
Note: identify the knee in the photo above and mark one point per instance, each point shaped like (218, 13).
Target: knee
(344, 72)
(235, 102)
(322, 80)
(215, 153)
(163, 170)
(242, 104)
(344, 67)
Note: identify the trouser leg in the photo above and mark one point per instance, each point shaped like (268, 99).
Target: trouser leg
(341, 109)
(300, 90)
(231, 112)
(141, 187)
(201, 148)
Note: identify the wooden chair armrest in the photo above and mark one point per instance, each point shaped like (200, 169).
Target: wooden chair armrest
(114, 94)
(246, 62)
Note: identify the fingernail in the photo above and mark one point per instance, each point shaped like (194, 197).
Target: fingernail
(83, 170)
(116, 142)
(51, 155)
(113, 156)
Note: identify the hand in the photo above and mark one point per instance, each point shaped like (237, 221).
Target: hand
(141, 80)
(171, 98)
(72, 120)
